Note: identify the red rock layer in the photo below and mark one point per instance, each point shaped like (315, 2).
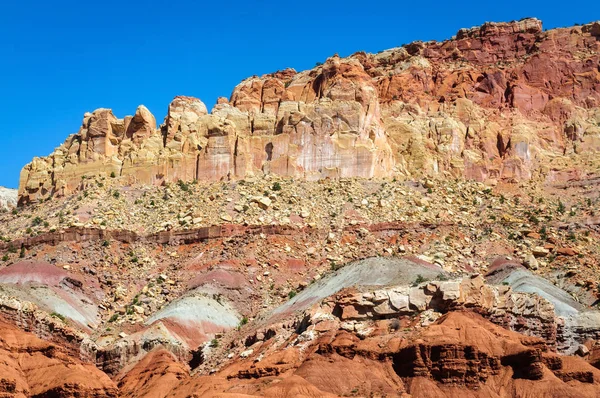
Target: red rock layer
(30, 367)
(460, 355)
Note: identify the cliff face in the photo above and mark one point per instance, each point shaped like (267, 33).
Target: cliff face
(8, 198)
(504, 101)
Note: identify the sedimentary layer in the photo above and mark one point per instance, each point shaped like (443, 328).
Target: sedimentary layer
(504, 101)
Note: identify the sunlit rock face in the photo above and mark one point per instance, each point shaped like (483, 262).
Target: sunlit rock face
(496, 102)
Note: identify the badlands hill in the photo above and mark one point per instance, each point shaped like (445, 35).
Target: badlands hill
(422, 222)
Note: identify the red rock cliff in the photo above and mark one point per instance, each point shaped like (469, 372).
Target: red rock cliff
(500, 101)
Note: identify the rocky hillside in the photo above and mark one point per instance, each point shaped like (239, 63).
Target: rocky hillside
(506, 101)
(423, 222)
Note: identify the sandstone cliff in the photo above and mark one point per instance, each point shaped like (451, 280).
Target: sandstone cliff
(504, 101)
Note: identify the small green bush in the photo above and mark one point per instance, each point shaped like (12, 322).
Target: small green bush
(420, 279)
(59, 316)
(183, 186)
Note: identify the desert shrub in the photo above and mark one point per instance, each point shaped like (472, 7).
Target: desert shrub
(420, 279)
(183, 186)
(59, 316)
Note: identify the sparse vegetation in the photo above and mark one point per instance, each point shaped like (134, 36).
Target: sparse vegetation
(292, 294)
(59, 316)
(442, 277)
(420, 279)
(185, 187)
(543, 233)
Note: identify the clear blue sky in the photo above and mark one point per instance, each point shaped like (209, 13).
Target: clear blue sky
(61, 58)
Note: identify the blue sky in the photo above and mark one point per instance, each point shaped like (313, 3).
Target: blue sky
(60, 58)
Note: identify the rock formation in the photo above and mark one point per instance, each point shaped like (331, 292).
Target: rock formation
(498, 102)
(8, 198)
(357, 232)
(31, 367)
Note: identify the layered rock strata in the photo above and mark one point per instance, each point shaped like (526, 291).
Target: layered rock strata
(505, 101)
